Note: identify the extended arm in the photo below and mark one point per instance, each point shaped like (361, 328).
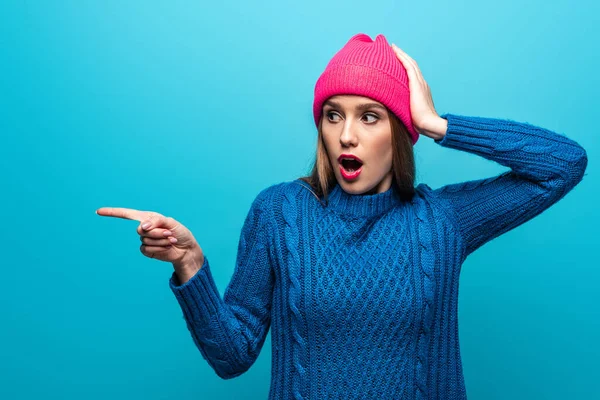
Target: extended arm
(230, 332)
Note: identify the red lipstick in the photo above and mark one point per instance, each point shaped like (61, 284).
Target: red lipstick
(350, 166)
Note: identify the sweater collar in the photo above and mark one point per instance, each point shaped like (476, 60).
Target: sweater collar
(362, 205)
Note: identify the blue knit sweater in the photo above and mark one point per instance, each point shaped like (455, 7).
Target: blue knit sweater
(360, 293)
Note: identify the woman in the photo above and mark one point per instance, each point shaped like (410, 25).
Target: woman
(354, 269)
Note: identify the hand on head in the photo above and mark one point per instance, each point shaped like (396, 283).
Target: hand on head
(425, 119)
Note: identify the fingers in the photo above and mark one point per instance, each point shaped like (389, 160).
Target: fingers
(158, 242)
(155, 220)
(156, 233)
(149, 219)
(151, 251)
(120, 212)
(155, 230)
(405, 58)
(412, 69)
(155, 241)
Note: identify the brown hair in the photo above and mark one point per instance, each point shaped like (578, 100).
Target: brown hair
(322, 177)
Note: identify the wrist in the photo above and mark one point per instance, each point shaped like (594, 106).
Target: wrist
(436, 129)
(191, 262)
(188, 267)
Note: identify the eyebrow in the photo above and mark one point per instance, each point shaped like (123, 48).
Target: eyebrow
(360, 107)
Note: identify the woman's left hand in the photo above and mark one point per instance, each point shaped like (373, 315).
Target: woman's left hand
(425, 119)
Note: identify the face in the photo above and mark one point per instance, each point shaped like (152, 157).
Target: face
(358, 126)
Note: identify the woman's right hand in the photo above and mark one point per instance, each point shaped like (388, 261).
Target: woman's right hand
(164, 238)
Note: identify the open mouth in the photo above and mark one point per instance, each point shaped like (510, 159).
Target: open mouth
(351, 165)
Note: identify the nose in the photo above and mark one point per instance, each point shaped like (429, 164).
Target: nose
(348, 137)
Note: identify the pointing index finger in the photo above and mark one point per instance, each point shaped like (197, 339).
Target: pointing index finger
(120, 212)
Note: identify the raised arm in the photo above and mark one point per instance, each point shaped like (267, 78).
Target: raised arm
(230, 331)
(544, 167)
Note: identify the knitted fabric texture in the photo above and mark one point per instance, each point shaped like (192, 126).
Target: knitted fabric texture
(367, 68)
(361, 294)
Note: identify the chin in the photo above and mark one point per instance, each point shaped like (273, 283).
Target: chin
(354, 187)
(362, 185)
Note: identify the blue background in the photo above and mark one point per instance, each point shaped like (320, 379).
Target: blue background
(190, 109)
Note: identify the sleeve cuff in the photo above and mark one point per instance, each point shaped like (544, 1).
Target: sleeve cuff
(199, 295)
(474, 134)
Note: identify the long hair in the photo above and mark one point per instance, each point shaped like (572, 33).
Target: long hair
(322, 177)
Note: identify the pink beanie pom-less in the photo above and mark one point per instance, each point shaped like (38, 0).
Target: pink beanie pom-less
(367, 68)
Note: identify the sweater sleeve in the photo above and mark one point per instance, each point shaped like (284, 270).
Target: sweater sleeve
(544, 167)
(230, 331)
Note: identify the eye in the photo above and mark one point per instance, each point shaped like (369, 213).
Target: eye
(375, 117)
(372, 115)
(329, 114)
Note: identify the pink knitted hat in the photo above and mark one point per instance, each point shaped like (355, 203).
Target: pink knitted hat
(367, 68)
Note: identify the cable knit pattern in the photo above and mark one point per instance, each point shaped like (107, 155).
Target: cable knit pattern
(361, 292)
(426, 263)
(291, 242)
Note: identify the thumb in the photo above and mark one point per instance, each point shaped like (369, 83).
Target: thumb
(155, 220)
